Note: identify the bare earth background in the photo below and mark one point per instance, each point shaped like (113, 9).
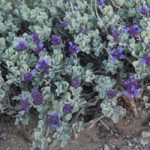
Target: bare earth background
(128, 134)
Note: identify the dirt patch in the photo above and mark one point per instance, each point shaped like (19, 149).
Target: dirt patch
(125, 135)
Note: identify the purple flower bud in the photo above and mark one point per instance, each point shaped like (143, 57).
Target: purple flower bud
(117, 54)
(28, 76)
(144, 11)
(131, 87)
(67, 108)
(64, 24)
(38, 42)
(75, 83)
(55, 120)
(56, 40)
(73, 48)
(37, 97)
(36, 38)
(24, 105)
(22, 45)
(43, 65)
(101, 2)
(39, 48)
(146, 60)
(115, 33)
(111, 94)
(37, 148)
(133, 30)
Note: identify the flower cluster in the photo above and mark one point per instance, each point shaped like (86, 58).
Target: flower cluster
(144, 11)
(115, 33)
(146, 60)
(22, 45)
(64, 24)
(111, 94)
(101, 2)
(133, 30)
(73, 48)
(117, 54)
(55, 120)
(37, 97)
(28, 76)
(24, 105)
(38, 42)
(37, 148)
(56, 40)
(131, 87)
(43, 65)
(67, 108)
(75, 83)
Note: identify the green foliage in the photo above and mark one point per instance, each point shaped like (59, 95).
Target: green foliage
(88, 27)
(103, 84)
(111, 110)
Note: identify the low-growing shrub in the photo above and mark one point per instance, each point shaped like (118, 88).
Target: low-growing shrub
(56, 56)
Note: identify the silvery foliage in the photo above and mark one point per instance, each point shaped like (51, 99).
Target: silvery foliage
(88, 26)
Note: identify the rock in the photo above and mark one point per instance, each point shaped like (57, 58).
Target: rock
(144, 142)
(115, 141)
(145, 98)
(146, 134)
(147, 105)
(130, 144)
(148, 87)
(106, 147)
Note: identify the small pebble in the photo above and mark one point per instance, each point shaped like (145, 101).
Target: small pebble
(106, 147)
(130, 144)
(147, 105)
(145, 98)
(146, 134)
(148, 87)
(144, 142)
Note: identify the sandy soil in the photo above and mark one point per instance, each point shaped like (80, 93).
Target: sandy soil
(125, 135)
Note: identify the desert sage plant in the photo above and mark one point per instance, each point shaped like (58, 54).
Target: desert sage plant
(57, 56)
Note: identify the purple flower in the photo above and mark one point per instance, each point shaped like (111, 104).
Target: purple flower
(24, 105)
(37, 148)
(67, 108)
(64, 24)
(133, 30)
(73, 48)
(146, 59)
(38, 42)
(101, 2)
(37, 97)
(55, 120)
(56, 40)
(111, 94)
(39, 48)
(144, 11)
(22, 45)
(36, 38)
(28, 76)
(115, 33)
(43, 65)
(117, 54)
(131, 87)
(75, 83)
